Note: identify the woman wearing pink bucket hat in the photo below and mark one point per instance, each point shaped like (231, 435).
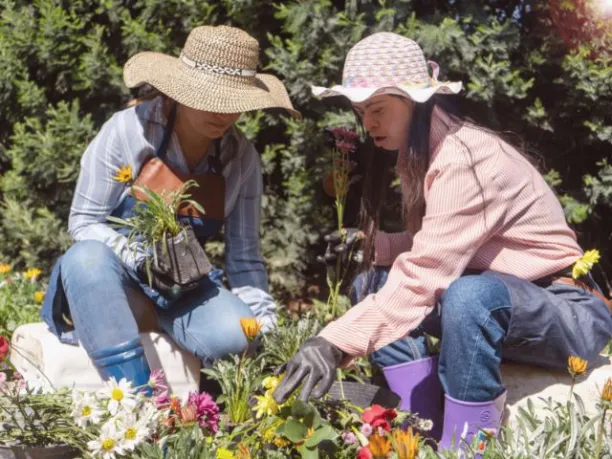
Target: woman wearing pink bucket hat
(485, 263)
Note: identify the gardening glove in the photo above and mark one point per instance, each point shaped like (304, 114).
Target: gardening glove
(336, 248)
(315, 363)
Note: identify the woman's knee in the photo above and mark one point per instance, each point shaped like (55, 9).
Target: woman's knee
(88, 258)
(473, 298)
(215, 332)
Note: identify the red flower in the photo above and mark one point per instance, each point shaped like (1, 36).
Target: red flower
(4, 348)
(377, 416)
(365, 453)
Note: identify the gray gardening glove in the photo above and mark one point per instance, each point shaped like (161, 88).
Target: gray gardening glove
(336, 248)
(314, 363)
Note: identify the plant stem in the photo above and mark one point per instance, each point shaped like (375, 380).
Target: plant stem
(600, 434)
(571, 392)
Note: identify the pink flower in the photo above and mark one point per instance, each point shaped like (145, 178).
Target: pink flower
(349, 438)
(157, 381)
(378, 416)
(364, 453)
(366, 429)
(207, 411)
(345, 146)
(162, 400)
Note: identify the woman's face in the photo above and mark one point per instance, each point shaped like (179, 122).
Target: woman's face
(206, 124)
(387, 119)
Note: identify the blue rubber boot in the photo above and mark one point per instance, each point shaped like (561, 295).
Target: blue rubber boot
(127, 360)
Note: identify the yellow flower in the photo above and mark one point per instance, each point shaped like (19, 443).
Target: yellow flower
(223, 453)
(271, 382)
(266, 404)
(280, 442)
(606, 393)
(585, 263)
(250, 327)
(576, 366)
(124, 174)
(32, 274)
(39, 296)
(380, 445)
(5, 268)
(406, 444)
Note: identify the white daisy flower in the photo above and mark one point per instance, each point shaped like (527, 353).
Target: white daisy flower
(108, 444)
(85, 409)
(149, 415)
(120, 395)
(132, 431)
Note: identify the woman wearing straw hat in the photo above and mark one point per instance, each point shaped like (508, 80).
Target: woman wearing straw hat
(485, 262)
(184, 133)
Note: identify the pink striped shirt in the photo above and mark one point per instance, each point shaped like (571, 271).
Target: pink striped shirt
(487, 208)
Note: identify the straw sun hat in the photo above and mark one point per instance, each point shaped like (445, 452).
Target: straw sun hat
(388, 63)
(215, 72)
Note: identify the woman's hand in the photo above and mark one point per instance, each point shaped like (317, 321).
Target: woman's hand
(314, 363)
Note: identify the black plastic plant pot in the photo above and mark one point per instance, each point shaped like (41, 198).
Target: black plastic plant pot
(182, 258)
(364, 395)
(37, 452)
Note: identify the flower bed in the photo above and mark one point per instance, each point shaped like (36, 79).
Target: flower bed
(246, 422)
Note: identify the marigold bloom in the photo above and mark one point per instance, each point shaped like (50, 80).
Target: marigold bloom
(39, 296)
(124, 174)
(250, 327)
(585, 263)
(243, 451)
(406, 443)
(380, 446)
(32, 274)
(576, 366)
(5, 268)
(606, 393)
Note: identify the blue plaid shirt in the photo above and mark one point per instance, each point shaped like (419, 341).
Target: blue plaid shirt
(130, 137)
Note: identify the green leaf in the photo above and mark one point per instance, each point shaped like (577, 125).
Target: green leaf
(324, 433)
(292, 430)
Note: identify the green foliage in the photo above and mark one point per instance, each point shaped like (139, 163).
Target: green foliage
(20, 298)
(533, 68)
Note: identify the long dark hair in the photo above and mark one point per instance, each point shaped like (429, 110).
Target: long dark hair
(377, 181)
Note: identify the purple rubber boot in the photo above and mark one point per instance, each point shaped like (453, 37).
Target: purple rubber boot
(418, 385)
(463, 420)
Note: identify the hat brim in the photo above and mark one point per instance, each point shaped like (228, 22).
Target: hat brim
(203, 90)
(359, 95)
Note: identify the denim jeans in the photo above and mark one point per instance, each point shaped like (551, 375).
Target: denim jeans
(482, 317)
(108, 307)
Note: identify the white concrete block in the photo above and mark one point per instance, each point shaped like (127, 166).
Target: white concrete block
(525, 381)
(45, 361)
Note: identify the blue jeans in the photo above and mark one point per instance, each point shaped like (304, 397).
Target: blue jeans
(108, 307)
(482, 317)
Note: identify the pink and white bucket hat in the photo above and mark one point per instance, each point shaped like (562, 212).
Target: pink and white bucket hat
(387, 63)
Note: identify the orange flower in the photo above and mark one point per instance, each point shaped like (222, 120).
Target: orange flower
(5, 268)
(380, 445)
(188, 414)
(250, 327)
(606, 393)
(243, 451)
(406, 443)
(576, 366)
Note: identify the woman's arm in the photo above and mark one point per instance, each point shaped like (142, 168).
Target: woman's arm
(97, 193)
(244, 261)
